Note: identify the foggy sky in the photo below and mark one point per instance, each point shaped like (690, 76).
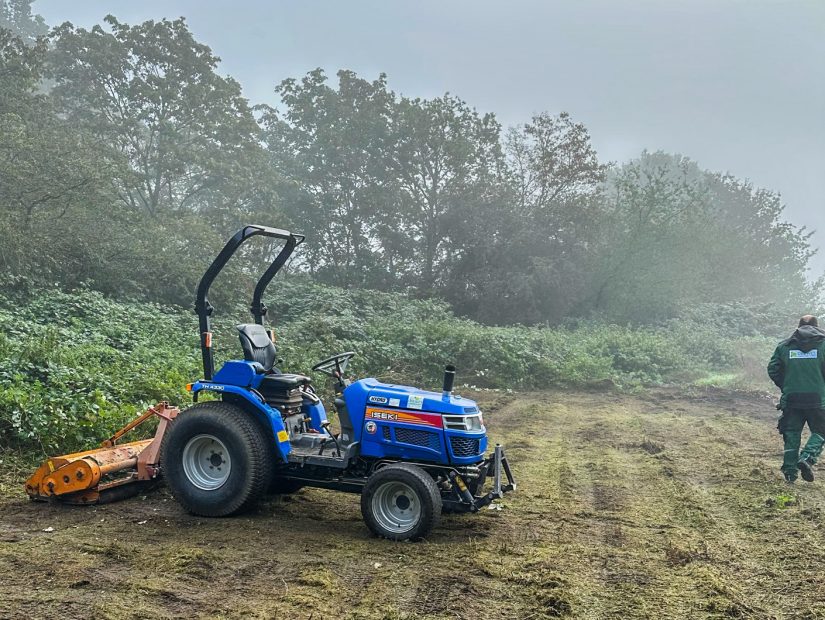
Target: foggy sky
(738, 86)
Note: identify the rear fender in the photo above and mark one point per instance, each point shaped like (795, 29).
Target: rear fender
(251, 402)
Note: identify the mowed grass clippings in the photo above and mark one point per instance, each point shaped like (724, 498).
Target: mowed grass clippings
(660, 505)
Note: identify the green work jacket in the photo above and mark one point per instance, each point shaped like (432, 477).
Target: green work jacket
(797, 367)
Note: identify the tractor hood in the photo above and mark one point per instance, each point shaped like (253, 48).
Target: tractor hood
(405, 397)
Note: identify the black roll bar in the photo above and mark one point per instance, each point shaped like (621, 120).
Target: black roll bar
(202, 306)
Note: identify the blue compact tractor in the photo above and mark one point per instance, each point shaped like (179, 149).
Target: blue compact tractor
(410, 453)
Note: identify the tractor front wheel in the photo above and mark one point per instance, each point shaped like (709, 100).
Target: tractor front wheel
(401, 502)
(215, 458)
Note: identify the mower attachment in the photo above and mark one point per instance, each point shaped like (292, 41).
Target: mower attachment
(90, 477)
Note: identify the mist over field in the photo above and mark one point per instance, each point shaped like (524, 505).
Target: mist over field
(604, 214)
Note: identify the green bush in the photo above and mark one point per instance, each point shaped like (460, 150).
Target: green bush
(76, 365)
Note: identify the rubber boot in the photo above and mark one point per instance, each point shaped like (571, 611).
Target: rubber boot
(806, 469)
(791, 456)
(812, 449)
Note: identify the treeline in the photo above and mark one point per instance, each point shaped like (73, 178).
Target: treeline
(126, 159)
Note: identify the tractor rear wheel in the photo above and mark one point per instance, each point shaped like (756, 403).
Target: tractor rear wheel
(215, 458)
(401, 502)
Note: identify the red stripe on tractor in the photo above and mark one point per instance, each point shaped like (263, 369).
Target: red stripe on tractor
(407, 417)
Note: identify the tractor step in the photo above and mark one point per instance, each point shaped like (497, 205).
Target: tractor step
(303, 456)
(309, 455)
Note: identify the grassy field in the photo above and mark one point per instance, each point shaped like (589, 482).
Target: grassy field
(661, 505)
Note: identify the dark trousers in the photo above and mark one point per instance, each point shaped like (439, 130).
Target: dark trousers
(790, 426)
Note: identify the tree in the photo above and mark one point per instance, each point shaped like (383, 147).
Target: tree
(48, 169)
(378, 179)
(60, 217)
(528, 255)
(333, 145)
(16, 16)
(756, 253)
(677, 236)
(552, 164)
(151, 93)
(443, 153)
(655, 208)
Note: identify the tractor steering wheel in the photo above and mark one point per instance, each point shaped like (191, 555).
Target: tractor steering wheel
(335, 365)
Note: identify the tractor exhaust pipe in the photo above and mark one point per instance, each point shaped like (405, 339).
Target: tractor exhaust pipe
(449, 378)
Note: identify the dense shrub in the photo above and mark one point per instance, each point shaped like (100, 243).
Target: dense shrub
(75, 365)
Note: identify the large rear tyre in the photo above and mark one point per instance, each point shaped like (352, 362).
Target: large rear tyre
(401, 502)
(215, 458)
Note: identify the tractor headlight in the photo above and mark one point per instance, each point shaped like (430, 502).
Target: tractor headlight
(472, 422)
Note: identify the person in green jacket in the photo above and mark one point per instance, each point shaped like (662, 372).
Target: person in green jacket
(797, 367)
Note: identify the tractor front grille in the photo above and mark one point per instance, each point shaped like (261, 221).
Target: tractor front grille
(464, 446)
(424, 439)
(386, 432)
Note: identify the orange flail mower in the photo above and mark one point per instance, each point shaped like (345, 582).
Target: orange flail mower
(105, 474)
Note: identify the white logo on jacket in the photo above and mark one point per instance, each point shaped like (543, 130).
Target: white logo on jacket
(796, 354)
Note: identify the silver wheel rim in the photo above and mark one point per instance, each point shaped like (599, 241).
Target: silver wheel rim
(396, 507)
(206, 462)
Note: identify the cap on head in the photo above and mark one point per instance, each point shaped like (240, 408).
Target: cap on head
(808, 319)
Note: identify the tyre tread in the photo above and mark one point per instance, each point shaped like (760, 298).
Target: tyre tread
(431, 515)
(254, 441)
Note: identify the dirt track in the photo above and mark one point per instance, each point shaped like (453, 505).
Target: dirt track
(656, 506)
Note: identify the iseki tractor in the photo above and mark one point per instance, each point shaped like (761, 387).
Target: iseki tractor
(410, 453)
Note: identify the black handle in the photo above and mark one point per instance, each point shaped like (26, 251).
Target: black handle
(202, 306)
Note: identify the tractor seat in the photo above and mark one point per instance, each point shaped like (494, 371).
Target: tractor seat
(258, 347)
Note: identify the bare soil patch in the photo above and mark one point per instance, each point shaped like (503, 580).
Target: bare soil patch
(661, 505)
